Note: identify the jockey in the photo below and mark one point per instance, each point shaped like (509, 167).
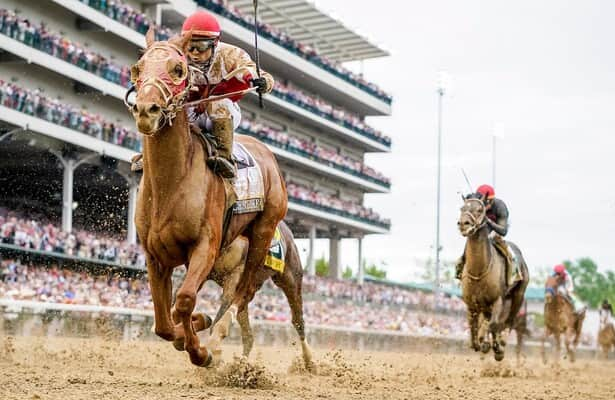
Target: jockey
(565, 285)
(606, 306)
(606, 313)
(212, 62)
(497, 222)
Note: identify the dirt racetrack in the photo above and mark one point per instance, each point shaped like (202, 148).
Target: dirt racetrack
(68, 368)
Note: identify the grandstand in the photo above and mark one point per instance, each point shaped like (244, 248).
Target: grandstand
(66, 138)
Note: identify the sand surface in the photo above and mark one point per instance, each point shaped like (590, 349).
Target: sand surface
(97, 368)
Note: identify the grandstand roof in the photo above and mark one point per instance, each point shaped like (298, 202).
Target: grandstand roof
(307, 24)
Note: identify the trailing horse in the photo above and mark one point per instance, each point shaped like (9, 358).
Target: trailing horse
(182, 204)
(288, 276)
(560, 318)
(606, 332)
(483, 282)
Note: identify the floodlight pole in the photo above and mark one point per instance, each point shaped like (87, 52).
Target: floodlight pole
(436, 290)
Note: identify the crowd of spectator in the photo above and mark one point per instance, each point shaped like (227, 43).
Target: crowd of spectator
(40, 38)
(33, 102)
(379, 294)
(22, 281)
(326, 110)
(326, 302)
(124, 14)
(311, 150)
(335, 205)
(140, 22)
(38, 234)
(305, 51)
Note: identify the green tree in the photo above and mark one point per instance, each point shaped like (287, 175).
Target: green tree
(322, 267)
(347, 274)
(591, 285)
(376, 272)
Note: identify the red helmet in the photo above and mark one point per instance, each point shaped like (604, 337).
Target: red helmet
(202, 23)
(486, 191)
(560, 269)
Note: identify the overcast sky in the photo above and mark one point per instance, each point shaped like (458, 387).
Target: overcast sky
(543, 74)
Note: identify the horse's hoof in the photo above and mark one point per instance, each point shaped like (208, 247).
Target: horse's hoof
(208, 359)
(178, 344)
(485, 347)
(201, 321)
(498, 355)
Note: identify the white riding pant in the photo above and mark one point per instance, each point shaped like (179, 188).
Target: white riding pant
(224, 108)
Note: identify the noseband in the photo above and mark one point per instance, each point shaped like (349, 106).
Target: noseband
(479, 222)
(173, 90)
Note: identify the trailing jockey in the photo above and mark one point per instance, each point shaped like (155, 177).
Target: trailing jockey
(565, 285)
(497, 221)
(211, 63)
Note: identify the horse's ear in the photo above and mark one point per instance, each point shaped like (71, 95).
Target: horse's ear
(184, 40)
(150, 36)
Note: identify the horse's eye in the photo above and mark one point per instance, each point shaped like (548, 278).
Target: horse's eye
(179, 70)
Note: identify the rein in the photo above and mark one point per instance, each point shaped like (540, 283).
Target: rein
(483, 274)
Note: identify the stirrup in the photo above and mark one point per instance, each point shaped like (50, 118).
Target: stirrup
(222, 167)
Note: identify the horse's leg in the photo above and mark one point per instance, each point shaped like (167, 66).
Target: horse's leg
(261, 234)
(290, 282)
(161, 287)
(222, 328)
(519, 332)
(484, 337)
(247, 337)
(496, 323)
(200, 322)
(558, 346)
(473, 322)
(201, 263)
(543, 352)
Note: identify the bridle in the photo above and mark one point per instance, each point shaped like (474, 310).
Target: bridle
(477, 223)
(174, 90)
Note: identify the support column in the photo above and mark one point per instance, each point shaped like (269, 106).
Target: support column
(335, 269)
(311, 261)
(361, 269)
(67, 194)
(133, 189)
(69, 164)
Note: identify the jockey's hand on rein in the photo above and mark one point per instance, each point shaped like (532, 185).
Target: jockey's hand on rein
(259, 83)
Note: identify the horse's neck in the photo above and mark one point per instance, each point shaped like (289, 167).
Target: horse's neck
(167, 158)
(478, 252)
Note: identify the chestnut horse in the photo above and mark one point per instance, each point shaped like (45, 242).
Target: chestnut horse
(560, 318)
(483, 282)
(606, 332)
(182, 203)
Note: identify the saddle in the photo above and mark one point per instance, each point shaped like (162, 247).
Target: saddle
(512, 270)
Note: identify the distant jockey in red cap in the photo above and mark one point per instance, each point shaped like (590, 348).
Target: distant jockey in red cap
(565, 286)
(497, 221)
(218, 68)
